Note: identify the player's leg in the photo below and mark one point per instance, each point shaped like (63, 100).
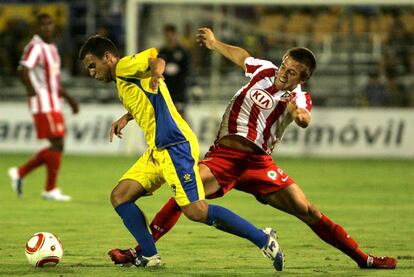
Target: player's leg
(142, 178)
(166, 218)
(53, 157)
(181, 169)
(293, 201)
(123, 199)
(168, 215)
(47, 126)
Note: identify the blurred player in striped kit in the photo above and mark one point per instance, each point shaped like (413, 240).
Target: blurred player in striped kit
(40, 73)
(253, 124)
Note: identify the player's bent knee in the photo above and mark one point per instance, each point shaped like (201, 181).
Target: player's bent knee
(115, 198)
(314, 212)
(309, 213)
(196, 211)
(118, 196)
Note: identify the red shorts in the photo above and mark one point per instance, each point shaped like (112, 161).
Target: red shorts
(49, 125)
(256, 174)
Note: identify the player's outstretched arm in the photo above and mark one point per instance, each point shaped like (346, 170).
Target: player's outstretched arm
(205, 37)
(117, 126)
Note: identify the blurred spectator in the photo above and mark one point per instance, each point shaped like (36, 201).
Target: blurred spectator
(12, 43)
(398, 47)
(375, 92)
(177, 67)
(398, 93)
(390, 65)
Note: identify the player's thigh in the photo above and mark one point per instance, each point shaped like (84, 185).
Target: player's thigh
(57, 143)
(49, 125)
(146, 172)
(126, 190)
(181, 172)
(210, 183)
(292, 200)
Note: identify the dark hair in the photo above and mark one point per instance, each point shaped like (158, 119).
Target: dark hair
(97, 45)
(304, 56)
(41, 16)
(170, 28)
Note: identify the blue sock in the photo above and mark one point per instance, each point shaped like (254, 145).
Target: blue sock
(229, 222)
(135, 221)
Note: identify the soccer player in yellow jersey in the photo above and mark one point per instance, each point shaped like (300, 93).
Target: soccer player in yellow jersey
(172, 154)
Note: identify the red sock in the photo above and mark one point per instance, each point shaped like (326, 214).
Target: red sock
(335, 235)
(164, 220)
(33, 163)
(52, 160)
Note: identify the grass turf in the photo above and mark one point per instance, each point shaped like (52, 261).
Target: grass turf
(372, 199)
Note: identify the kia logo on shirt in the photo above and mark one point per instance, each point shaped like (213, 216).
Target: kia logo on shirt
(262, 99)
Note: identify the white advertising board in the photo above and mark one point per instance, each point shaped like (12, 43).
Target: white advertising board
(332, 133)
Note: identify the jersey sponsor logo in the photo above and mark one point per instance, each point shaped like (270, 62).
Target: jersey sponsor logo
(262, 99)
(284, 179)
(272, 175)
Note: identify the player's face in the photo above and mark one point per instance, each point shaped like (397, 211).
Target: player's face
(288, 75)
(46, 28)
(98, 68)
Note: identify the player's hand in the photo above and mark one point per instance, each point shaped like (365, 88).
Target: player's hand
(31, 92)
(292, 107)
(300, 115)
(74, 106)
(155, 81)
(117, 126)
(205, 37)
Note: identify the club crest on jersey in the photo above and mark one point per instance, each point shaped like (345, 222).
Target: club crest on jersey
(187, 177)
(272, 175)
(286, 96)
(262, 99)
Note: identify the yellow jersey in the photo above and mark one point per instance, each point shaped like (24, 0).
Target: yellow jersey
(153, 111)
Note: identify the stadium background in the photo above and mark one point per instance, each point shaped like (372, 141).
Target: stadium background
(352, 42)
(355, 138)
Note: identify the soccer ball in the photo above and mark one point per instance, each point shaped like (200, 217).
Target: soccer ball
(44, 249)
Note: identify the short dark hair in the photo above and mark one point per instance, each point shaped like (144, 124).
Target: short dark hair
(97, 45)
(41, 16)
(170, 28)
(304, 56)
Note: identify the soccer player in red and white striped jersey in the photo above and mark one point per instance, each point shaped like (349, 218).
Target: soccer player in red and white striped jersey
(253, 123)
(39, 71)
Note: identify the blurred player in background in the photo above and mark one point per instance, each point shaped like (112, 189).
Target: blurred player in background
(177, 60)
(39, 71)
(172, 154)
(253, 123)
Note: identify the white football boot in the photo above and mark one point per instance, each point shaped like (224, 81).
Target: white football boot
(55, 195)
(16, 181)
(272, 250)
(152, 261)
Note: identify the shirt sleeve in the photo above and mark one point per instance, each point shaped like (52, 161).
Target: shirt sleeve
(31, 55)
(136, 65)
(304, 101)
(254, 65)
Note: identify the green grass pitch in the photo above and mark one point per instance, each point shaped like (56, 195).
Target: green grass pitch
(372, 199)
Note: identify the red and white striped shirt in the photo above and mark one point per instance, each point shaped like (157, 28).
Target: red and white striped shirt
(43, 61)
(257, 111)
